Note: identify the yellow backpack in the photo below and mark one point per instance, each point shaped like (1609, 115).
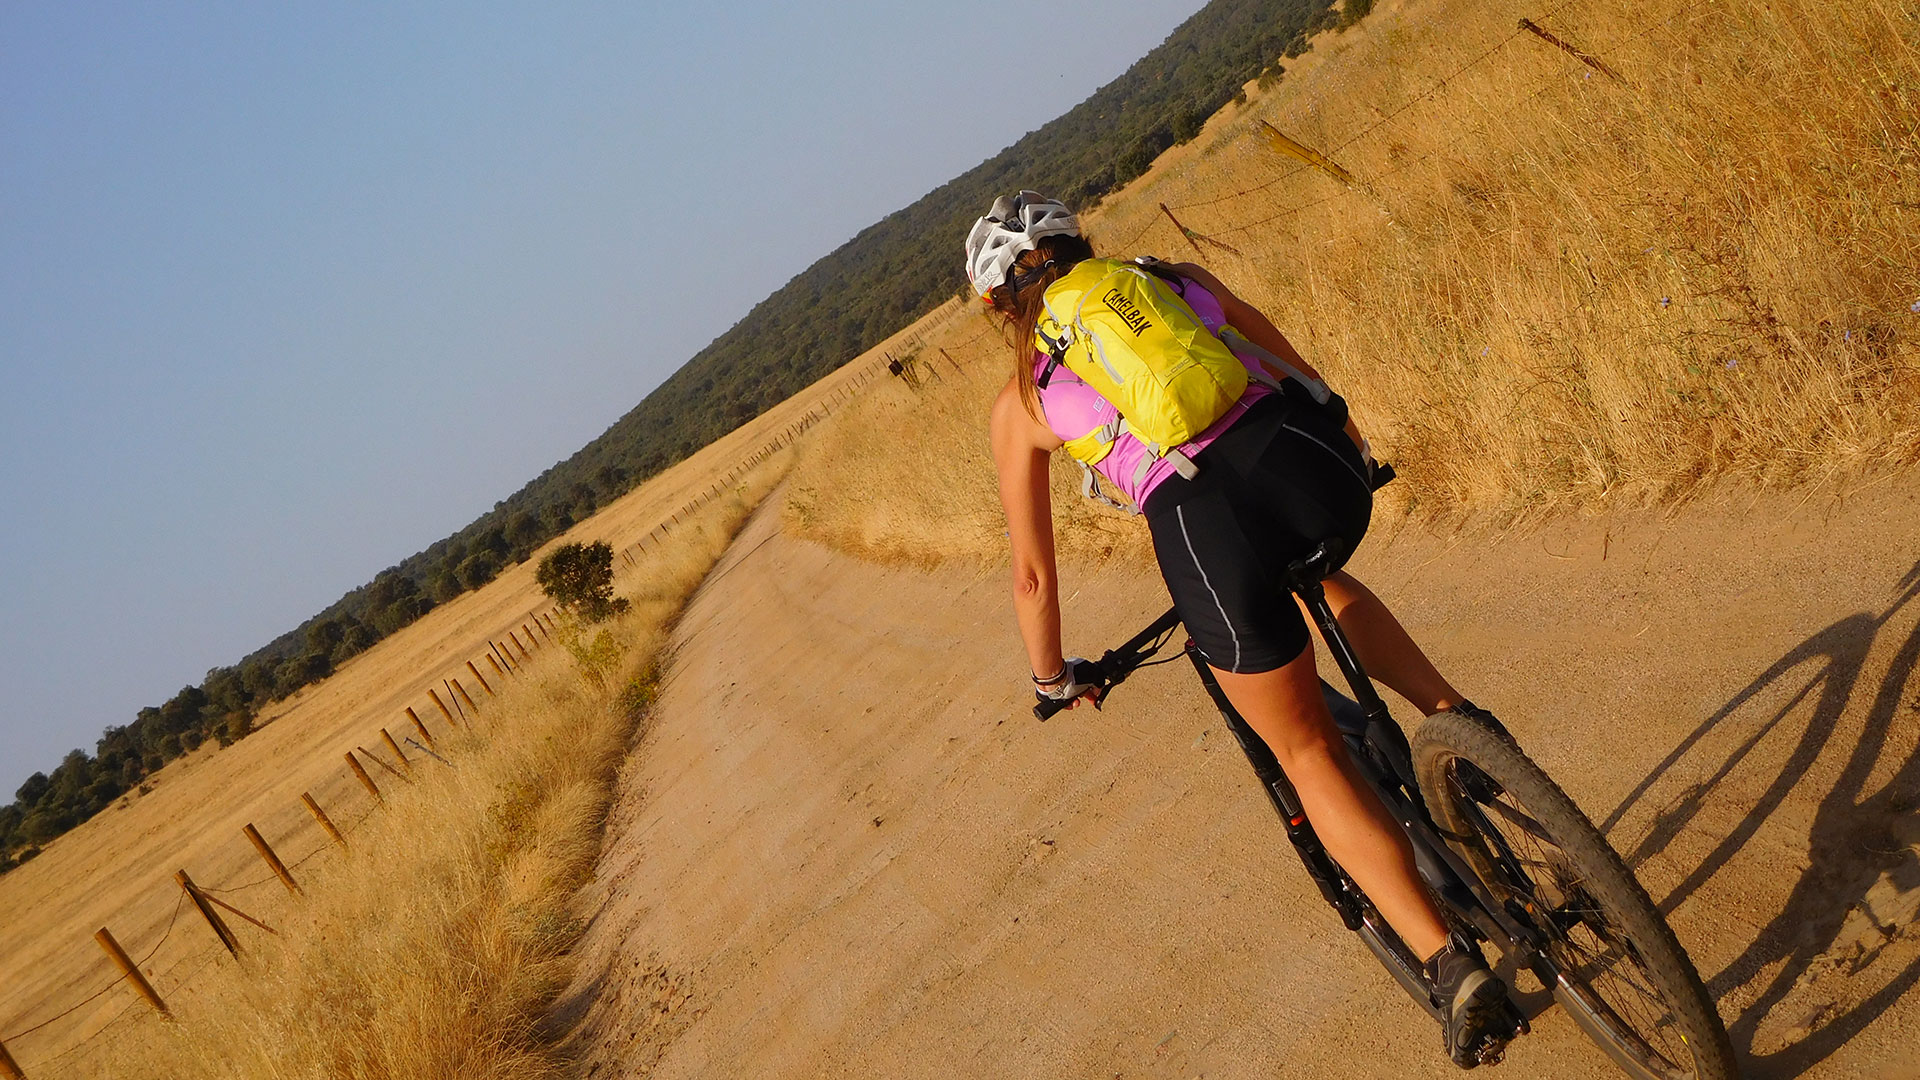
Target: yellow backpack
(1126, 333)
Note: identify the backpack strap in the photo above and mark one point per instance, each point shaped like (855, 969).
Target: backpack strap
(1090, 487)
(1237, 341)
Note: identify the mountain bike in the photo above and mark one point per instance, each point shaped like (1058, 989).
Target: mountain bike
(1508, 858)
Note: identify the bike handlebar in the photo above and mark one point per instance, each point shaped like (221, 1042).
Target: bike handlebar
(1116, 664)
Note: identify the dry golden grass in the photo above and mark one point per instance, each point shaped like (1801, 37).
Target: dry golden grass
(1550, 290)
(116, 870)
(437, 946)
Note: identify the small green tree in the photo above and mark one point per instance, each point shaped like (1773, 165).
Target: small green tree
(579, 578)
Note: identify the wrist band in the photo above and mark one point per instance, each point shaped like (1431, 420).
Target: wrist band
(1038, 681)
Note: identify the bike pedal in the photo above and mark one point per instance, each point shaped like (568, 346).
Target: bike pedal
(1495, 1046)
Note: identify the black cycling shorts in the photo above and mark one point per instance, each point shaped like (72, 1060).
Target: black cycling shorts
(1282, 479)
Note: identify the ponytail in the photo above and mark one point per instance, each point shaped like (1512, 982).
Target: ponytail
(1022, 297)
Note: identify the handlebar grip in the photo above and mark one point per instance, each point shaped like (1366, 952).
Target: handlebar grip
(1044, 710)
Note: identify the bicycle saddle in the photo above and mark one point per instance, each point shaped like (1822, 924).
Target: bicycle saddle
(1316, 564)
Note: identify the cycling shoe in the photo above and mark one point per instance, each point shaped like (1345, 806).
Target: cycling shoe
(1477, 1018)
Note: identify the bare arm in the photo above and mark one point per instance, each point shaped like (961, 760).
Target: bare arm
(1253, 322)
(1021, 447)
(1249, 320)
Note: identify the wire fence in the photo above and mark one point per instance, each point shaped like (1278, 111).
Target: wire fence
(459, 703)
(1363, 186)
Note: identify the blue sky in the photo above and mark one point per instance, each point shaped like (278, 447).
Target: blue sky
(288, 293)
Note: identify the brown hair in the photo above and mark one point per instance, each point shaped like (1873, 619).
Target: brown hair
(1049, 261)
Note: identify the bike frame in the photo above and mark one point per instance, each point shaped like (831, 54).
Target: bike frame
(1384, 758)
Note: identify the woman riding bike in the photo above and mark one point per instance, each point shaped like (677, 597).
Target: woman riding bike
(1278, 473)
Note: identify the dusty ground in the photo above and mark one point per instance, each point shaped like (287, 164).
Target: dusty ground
(844, 849)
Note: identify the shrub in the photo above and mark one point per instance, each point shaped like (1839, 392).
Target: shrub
(579, 578)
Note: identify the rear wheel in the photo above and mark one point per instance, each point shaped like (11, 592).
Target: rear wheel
(1609, 957)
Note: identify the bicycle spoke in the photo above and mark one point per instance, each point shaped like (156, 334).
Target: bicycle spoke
(1641, 1009)
(1605, 974)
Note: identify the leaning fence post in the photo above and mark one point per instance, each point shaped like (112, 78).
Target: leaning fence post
(206, 910)
(380, 761)
(273, 861)
(395, 747)
(462, 691)
(477, 675)
(441, 705)
(9, 1068)
(1300, 151)
(326, 823)
(360, 771)
(131, 970)
(425, 735)
(1586, 58)
(1193, 238)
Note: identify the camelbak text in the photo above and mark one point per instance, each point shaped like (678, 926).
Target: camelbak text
(1125, 308)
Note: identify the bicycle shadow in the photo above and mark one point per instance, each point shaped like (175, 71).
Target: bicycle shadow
(1863, 852)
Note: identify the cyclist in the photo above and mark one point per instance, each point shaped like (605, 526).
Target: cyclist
(1275, 475)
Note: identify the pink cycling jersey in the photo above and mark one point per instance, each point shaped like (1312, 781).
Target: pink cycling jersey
(1073, 408)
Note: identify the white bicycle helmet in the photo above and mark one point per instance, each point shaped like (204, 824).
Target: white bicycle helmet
(1012, 227)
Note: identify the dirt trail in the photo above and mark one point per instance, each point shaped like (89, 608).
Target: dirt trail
(845, 850)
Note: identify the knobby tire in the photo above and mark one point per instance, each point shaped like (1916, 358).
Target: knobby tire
(1531, 845)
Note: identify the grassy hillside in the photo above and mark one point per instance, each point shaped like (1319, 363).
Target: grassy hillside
(870, 287)
(1553, 284)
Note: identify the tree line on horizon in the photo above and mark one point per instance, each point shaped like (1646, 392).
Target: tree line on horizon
(869, 288)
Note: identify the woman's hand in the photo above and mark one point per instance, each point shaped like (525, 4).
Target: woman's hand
(1079, 679)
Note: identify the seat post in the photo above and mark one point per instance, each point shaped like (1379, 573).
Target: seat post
(1305, 576)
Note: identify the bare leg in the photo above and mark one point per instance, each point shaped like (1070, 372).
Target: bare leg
(1285, 708)
(1384, 647)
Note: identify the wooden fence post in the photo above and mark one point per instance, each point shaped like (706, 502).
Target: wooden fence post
(462, 691)
(497, 669)
(1193, 238)
(515, 638)
(477, 675)
(425, 735)
(273, 861)
(206, 910)
(531, 640)
(360, 772)
(326, 823)
(395, 747)
(506, 657)
(1304, 153)
(131, 970)
(1586, 58)
(441, 705)
(9, 1069)
(455, 700)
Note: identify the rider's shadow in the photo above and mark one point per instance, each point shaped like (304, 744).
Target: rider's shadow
(1853, 905)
